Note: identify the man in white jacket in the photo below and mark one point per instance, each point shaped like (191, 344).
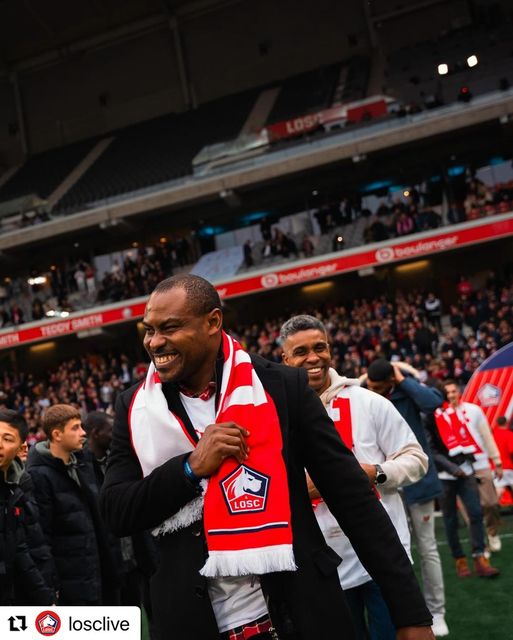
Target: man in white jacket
(386, 448)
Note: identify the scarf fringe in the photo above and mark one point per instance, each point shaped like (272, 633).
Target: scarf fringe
(187, 515)
(249, 561)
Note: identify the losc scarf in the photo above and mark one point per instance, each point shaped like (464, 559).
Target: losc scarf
(245, 506)
(454, 433)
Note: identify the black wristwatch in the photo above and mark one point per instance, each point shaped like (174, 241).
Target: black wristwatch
(381, 476)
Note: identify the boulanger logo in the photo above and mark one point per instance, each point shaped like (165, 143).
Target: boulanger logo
(48, 623)
(245, 490)
(269, 280)
(385, 254)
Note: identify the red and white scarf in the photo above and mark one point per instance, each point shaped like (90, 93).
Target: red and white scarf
(454, 432)
(245, 506)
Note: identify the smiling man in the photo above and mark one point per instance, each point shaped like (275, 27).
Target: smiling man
(383, 444)
(209, 452)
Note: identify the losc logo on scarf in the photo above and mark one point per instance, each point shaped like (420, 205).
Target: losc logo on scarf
(48, 623)
(245, 490)
(489, 395)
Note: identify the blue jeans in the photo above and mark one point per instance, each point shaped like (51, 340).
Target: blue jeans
(467, 490)
(379, 625)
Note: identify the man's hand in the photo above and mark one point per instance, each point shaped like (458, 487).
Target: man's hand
(370, 470)
(459, 473)
(415, 633)
(219, 441)
(499, 471)
(312, 490)
(398, 375)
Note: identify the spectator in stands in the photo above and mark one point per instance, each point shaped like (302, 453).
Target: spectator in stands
(376, 231)
(90, 280)
(307, 246)
(21, 581)
(68, 510)
(404, 224)
(433, 307)
(265, 229)
(79, 276)
(338, 242)
(248, 254)
(384, 446)
(133, 503)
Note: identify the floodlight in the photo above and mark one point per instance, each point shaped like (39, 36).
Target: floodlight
(443, 69)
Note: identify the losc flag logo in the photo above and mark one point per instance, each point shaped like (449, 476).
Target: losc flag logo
(48, 623)
(489, 395)
(385, 255)
(245, 490)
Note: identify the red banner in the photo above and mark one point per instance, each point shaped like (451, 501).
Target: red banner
(367, 108)
(73, 324)
(419, 245)
(360, 258)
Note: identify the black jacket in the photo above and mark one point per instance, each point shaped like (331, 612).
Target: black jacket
(21, 581)
(307, 604)
(72, 526)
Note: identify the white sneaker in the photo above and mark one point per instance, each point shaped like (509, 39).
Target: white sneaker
(440, 628)
(495, 543)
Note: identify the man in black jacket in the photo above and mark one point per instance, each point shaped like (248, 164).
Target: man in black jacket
(67, 496)
(21, 581)
(184, 338)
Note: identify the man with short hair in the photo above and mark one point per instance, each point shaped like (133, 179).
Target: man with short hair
(67, 495)
(210, 452)
(454, 450)
(475, 420)
(21, 580)
(398, 383)
(384, 446)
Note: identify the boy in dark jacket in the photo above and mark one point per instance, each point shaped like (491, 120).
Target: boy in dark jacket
(21, 581)
(67, 496)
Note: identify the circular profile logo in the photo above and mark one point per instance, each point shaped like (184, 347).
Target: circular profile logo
(270, 280)
(48, 623)
(385, 254)
(127, 312)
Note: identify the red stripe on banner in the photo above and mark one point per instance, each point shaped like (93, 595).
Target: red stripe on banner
(469, 393)
(505, 398)
(385, 254)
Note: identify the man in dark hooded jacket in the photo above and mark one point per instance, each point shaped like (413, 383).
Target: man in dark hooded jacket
(67, 496)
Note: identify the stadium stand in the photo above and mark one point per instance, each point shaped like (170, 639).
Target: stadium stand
(42, 173)
(305, 93)
(157, 151)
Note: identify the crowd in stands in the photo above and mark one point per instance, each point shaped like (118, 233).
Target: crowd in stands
(406, 328)
(77, 286)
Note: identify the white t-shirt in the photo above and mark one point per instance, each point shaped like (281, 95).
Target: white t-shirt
(379, 432)
(239, 599)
